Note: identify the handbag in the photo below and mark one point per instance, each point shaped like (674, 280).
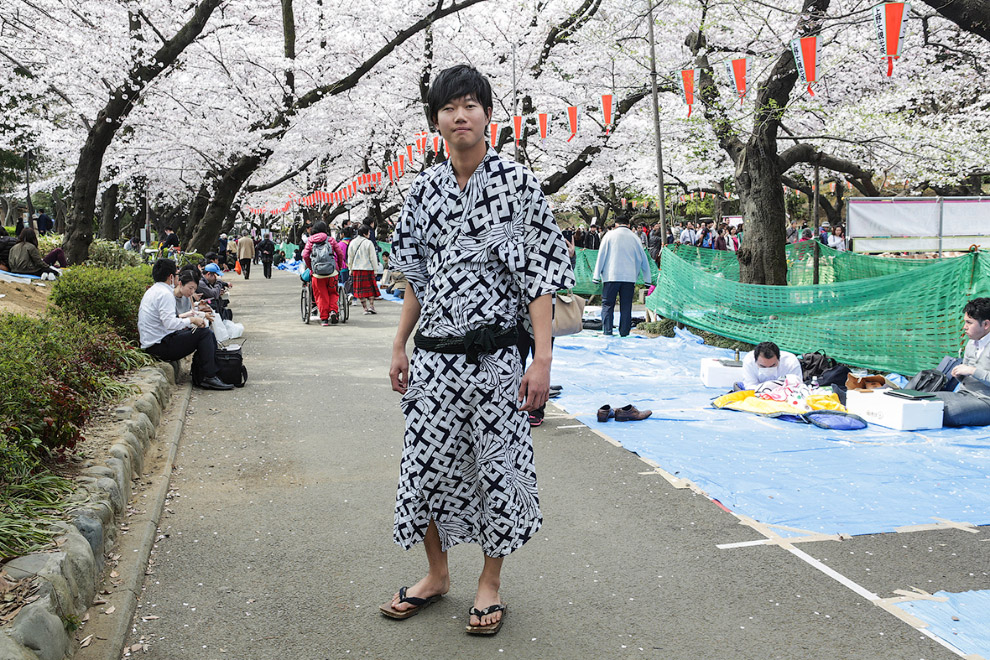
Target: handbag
(568, 314)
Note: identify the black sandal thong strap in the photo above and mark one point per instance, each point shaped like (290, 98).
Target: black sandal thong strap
(491, 609)
(412, 600)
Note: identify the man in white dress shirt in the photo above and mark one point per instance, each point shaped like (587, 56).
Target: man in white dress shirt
(767, 362)
(167, 337)
(976, 325)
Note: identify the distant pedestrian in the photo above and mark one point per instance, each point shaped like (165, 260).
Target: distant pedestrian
(45, 223)
(245, 254)
(324, 257)
(171, 241)
(266, 251)
(362, 262)
(620, 260)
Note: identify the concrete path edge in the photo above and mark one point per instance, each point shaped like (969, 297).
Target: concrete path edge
(71, 576)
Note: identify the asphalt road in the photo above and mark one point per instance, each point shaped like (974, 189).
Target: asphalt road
(278, 544)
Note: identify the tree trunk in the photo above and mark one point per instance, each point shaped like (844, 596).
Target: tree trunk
(971, 15)
(207, 231)
(197, 209)
(110, 222)
(758, 180)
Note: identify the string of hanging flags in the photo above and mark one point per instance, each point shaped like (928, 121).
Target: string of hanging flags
(889, 23)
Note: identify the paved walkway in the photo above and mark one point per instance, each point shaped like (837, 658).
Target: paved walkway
(277, 543)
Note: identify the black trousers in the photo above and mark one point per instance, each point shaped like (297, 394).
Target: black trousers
(179, 344)
(267, 265)
(245, 268)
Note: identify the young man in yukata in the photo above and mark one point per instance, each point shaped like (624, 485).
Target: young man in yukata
(480, 249)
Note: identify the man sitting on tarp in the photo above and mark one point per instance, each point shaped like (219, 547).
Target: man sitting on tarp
(969, 405)
(767, 362)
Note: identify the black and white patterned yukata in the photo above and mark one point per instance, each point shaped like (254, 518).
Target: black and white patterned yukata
(474, 258)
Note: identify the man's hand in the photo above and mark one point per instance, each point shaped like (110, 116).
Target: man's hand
(399, 371)
(198, 321)
(535, 386)
(963, 370)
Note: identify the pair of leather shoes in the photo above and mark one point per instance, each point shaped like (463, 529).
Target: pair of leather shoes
(214, 383)
(627, 413)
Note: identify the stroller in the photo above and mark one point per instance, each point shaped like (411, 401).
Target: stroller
(307, 303)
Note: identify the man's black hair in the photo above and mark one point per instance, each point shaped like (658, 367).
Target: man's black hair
(766, 349)
(171, 229)
(623, 218)
(321, 228)
(162, 270)
(454, 83)
(211, 256)
(364, 230)
(978, 309)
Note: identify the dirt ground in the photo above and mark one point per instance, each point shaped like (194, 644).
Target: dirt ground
(24, 298)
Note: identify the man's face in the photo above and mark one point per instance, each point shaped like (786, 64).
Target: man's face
(211, 277)
(764, 362)
(975, 329)
(462, 122)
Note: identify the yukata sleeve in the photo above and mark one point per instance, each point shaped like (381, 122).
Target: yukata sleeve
(409, 253)
(547, 266)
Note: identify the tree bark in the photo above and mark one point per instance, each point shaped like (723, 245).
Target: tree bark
(109, 221)
(79, 224)
(762, 259)
(971, 15)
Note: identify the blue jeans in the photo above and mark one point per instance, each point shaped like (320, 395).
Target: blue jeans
(624, 290)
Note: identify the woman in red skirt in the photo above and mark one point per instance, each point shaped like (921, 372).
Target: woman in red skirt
(362, 262)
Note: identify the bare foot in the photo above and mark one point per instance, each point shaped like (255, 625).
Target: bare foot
(487, 595)
(425, 588)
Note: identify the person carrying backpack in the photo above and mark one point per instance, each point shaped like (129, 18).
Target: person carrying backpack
(322, 255)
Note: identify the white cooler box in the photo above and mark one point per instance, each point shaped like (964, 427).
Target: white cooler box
(716, 374)
(894, 412)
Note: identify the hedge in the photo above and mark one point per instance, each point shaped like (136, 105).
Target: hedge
(103, 295)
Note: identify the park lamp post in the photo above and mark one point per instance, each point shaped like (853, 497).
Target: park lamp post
(348, 205)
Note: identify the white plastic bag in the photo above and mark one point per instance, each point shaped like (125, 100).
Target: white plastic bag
(234, 330)
(220, 330)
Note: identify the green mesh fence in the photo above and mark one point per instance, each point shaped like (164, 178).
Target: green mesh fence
(584, 268)
(834, 266)
(385, 246)
(903, 322)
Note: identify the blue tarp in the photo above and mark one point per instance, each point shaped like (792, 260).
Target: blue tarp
(970, 632)
(854, 482)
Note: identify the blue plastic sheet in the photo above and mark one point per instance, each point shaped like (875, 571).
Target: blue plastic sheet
(854, 482)
(970, 633)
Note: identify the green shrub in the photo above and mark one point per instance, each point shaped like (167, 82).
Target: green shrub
(11, 231)
(103, 295)
(108, 254)
(49, 242)
(54, 369)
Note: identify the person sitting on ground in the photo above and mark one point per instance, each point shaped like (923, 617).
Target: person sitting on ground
(767, 362)
(210, 287)
(133, 244)
(25, 259)
(187, 299)
(167, 337)
(976, 359)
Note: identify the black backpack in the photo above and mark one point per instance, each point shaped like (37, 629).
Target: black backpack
(815, 365)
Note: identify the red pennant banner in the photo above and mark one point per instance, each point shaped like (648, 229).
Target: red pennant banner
(436, 144)
(687, 86)
(544, 122)
(738, 70)
(623, 202)
(888, 19)
(409, 153)
(493, 129)
(607, 112)
(517, 127)
(805, 52)
(402, 164)
(572, 120)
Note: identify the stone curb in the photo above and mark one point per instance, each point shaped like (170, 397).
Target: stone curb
(71, 576)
